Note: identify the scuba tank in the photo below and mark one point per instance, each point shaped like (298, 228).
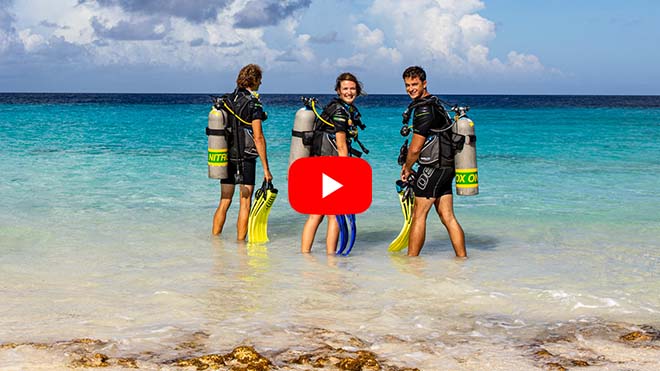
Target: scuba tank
(465, 158)
(217, 147)
(302, 134)
(308, 140)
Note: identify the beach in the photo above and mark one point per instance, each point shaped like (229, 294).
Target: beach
(108, 260)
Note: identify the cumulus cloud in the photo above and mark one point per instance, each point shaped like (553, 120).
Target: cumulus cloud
(301, 52)
(221, 35)
(30, 40)
(447, 33)
(369, 49)
(143, 29)
(260, 13)
(196, 11)
(476, 30)
(7, 31)
(390, 54)
(356, 61)
(525, 62)
(49, 24)
(364, 37)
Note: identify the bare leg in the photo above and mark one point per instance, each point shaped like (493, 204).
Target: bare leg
(309, 231)
(332, 236)
(418, 225)
(445, 208)
(244, 211)
(226, 193)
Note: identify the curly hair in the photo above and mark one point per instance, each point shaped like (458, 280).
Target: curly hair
(414, 71)
(249, 76)
(347, 76)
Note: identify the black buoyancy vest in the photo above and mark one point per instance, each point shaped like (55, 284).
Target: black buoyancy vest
(438, 149)
(239, 134)
(324, 134)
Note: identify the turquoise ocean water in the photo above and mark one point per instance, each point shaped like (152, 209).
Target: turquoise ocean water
(105, 218)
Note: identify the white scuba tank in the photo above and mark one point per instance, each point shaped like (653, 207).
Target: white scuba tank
(217, 150)
(302, 135)
(465, 159)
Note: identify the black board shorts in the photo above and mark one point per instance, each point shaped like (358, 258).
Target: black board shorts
(433, 182)
(248, 172)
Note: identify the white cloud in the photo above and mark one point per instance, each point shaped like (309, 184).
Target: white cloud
(115, 34)
(448, 34)
(389, 54)
(356, 61)
(476, 30)
(526, 62)
(30, 40)
(370, 49)
(6, 39)
(366, 37)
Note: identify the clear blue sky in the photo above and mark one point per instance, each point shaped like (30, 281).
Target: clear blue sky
(198, 46)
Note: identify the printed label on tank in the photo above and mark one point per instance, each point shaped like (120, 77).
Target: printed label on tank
(218, 157)
(467, 178)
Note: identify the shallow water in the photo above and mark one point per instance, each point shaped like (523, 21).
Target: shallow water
(105, 214)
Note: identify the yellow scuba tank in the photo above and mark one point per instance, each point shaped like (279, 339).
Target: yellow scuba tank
(217, 149)
(465, 158)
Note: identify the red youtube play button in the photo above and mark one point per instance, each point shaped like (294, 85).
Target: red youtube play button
(330, 185)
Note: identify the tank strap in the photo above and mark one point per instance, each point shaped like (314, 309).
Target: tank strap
(300, 134)
(468, 138)
(306, 136)
(220, 132)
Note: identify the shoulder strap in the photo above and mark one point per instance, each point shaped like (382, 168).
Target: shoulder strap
(228, 101)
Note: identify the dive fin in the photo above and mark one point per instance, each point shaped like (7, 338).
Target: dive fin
(262, 218)
(257, 204)
(343, 232)
(353, 234)
(258, 219)
(407, 200)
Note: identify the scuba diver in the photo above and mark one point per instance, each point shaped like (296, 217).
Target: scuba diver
(246, 142)
(333, 132)
(432, 148)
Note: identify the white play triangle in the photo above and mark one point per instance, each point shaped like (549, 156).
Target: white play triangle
(330, 185)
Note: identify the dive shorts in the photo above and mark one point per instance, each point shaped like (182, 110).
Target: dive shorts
(248, 172)
(433, 182)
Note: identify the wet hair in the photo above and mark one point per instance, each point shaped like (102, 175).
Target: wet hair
(414, 71)
(347, 76)
(249, 76)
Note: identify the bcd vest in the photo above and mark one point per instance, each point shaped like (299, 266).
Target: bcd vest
(240, 138)
(439, 148)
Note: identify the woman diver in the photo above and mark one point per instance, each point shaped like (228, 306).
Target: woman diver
(334, 131)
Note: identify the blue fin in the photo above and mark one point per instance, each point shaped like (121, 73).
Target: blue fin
(343, 232)
(353, 235)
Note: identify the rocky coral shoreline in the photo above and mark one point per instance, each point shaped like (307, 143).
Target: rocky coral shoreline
(610, 346)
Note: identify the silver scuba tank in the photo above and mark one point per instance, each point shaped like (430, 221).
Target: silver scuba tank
(218, 158)
(302, 135)
(465, 159)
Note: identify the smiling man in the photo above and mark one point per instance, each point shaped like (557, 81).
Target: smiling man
(431, 147)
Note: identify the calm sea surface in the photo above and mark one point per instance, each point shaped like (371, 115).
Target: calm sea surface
(105, 219)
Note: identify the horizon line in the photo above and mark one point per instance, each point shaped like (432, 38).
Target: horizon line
(366, 95)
